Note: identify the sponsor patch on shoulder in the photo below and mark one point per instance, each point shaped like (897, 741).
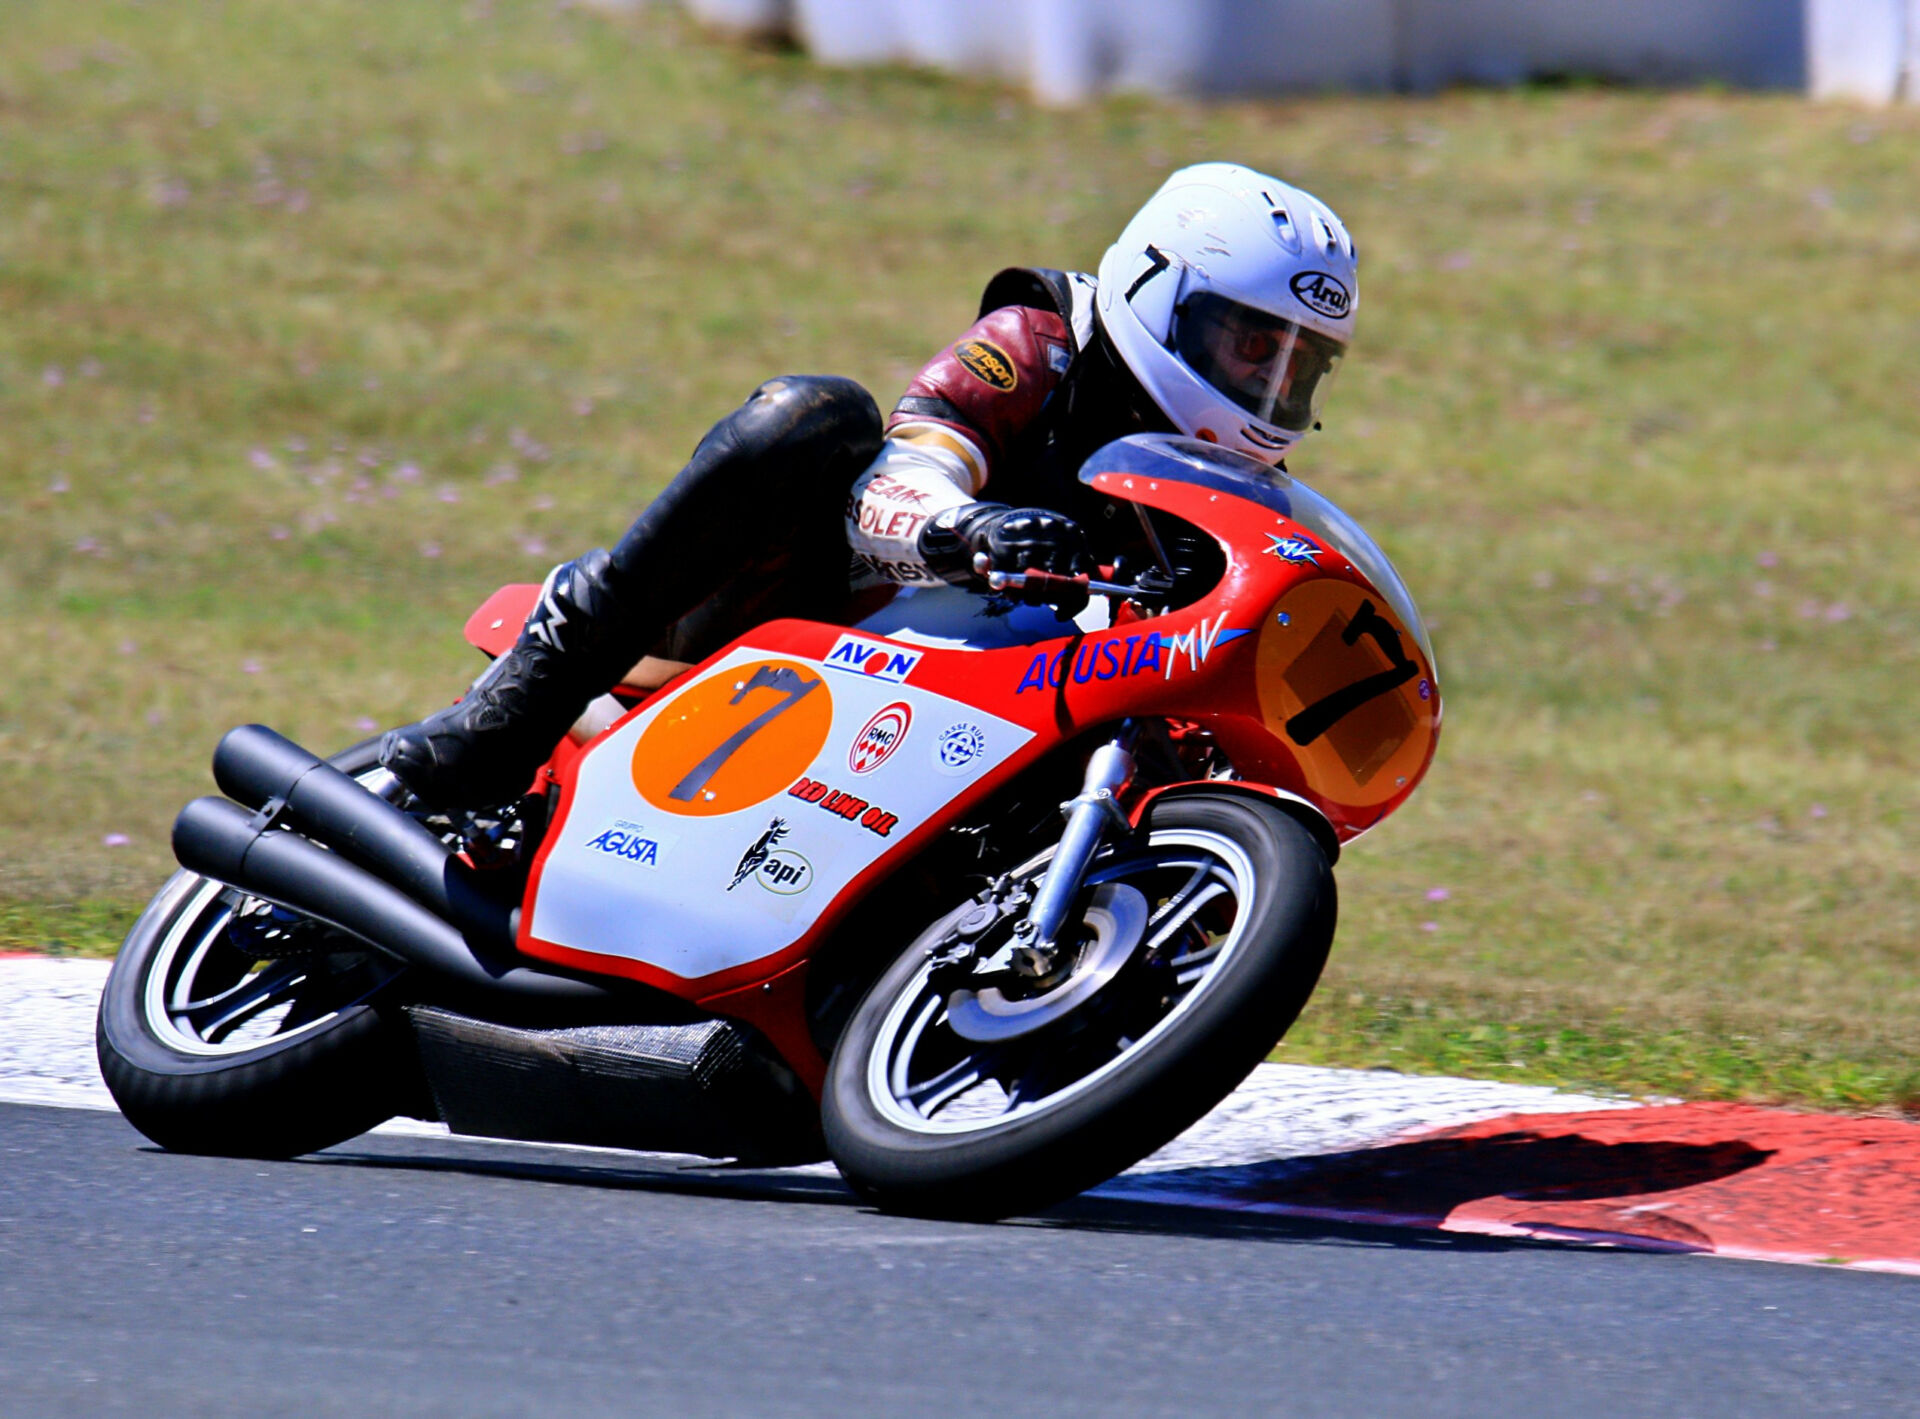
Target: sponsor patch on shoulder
(874, 659)
(988, 363)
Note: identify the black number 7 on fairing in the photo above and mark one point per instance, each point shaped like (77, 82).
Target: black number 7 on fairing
(1320, 716)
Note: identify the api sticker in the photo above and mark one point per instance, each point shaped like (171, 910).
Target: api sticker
(779, 870)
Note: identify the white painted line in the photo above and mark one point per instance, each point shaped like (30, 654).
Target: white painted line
(47, 1057)
(46, 1033)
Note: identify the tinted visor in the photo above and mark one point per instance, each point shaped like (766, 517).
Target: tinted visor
(1274, 369)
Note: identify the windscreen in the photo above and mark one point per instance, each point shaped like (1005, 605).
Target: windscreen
(1184, 460)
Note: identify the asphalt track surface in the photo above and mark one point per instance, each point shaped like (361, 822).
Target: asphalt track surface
(402, 1276)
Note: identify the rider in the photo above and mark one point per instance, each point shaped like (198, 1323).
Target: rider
(1220, 313)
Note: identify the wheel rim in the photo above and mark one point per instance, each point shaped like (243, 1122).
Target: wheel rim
(923, 1077)
(205, 996)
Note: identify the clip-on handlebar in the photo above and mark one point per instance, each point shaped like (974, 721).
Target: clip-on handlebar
(1066, 594)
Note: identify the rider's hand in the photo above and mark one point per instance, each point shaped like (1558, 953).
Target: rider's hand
(1013, 539)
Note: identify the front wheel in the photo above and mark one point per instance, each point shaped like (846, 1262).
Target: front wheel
(1223, 910)
(229, 1028)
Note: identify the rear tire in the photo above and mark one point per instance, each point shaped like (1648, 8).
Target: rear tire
(1204, 996)
(208, 1049)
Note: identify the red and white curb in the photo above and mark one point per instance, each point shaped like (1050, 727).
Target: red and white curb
(1284, 1111)
(1368, 1146)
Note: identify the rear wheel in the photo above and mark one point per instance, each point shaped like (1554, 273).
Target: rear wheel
(227, 1027)
(957, 1094)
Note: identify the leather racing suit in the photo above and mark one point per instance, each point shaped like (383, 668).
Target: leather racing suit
(747, 530)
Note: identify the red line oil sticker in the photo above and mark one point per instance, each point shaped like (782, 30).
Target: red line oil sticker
(1346, 688)
(842, 804)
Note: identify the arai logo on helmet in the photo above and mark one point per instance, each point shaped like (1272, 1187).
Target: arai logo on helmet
(1323, 294)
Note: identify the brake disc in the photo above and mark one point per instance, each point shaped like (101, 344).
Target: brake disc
(1116, 917)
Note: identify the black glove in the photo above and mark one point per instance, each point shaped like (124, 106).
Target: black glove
(1016, 539)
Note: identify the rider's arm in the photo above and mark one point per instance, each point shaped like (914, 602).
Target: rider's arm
(919, 473)
(951, 427)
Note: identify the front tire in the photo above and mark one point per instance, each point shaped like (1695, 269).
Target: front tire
(208, 1048)
(1241, 907)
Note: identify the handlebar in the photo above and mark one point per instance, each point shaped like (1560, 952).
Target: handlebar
(1066, 593)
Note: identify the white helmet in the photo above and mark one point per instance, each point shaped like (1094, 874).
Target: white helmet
(1231, 297)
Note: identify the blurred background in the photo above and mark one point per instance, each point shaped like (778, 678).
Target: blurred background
(319, 321)
(1065, 50)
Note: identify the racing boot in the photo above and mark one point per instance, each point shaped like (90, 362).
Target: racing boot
(485, 748)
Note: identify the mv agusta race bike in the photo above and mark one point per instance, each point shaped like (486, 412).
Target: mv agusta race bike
(981, 903)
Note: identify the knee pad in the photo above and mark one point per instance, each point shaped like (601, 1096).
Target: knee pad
(777, 467)
(806, 427)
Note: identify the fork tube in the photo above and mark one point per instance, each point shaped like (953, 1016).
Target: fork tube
(1089, 816)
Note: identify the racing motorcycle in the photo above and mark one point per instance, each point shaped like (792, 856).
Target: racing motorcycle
(981, 902)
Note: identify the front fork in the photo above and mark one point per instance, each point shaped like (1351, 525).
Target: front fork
(1091, 816)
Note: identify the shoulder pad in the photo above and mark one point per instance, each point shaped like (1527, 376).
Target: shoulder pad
(1068, 295)
(1031, 286)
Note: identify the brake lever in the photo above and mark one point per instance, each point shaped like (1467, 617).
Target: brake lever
(1068, 593)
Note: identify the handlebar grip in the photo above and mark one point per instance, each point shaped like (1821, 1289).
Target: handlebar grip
(1068, 594)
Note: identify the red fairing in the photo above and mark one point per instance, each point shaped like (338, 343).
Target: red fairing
(1294, 666)
(496, 625)
(995, 378)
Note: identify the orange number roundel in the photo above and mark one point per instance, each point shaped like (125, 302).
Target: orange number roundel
(733, 739)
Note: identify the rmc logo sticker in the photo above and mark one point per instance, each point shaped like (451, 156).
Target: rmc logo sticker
(879, 737)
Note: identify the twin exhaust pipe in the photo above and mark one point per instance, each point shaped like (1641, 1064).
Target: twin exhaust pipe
(360, 865)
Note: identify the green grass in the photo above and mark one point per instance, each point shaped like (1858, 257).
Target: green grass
(318, 321)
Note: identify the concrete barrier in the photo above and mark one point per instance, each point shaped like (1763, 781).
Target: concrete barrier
(1070, 50)
(747, 17)
(1862, 49)
(1747, 43)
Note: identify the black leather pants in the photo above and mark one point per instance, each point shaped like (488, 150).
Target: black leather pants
(752, 526)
